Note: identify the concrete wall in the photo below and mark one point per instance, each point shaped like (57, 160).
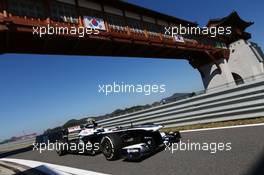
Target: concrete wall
(246, 60)
(213, 77)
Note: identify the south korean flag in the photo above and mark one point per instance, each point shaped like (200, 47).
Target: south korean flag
(179, 38)
(94, 23)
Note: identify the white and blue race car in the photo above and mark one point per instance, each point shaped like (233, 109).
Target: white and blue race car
(131, 143)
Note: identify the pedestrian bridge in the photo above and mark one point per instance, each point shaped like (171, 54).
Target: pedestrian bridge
(128, 30)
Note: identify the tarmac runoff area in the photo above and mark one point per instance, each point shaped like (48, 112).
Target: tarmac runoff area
(245, 158)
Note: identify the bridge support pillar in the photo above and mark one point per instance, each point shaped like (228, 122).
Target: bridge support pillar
(246, 63)
(216, 75)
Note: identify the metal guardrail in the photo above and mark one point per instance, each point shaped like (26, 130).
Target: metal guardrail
(243, 101)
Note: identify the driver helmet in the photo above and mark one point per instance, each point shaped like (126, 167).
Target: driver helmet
(91, 122)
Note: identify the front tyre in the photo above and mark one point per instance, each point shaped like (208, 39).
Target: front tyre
(111, 146)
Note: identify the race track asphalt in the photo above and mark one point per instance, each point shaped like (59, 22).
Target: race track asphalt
(245, 158)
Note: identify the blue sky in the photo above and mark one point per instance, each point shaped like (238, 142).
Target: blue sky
(39, 92)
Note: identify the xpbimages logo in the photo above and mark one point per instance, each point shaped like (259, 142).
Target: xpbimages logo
(146, 89)
(195, 30)
(79, 147)
(59, 30)
(212, 147)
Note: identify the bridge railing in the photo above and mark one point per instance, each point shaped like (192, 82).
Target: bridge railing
(116, 30)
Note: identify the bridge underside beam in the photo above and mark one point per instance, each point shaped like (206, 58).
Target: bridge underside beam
(25, 42)
(18, 38)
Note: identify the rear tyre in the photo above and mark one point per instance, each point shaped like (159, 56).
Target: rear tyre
(111, 146)
(61, 148)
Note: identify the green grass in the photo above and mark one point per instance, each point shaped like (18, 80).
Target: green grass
(217, 124)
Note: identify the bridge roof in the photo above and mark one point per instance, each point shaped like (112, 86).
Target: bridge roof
(232, 19)
(238, 26)
(142, 10)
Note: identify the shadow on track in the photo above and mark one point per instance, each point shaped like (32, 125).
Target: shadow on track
(146, 156)
(258, 168)
(18, 151)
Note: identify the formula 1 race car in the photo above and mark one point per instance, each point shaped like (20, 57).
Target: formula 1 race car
(131, 143)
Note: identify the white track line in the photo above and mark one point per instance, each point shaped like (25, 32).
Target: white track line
(51, 169)
(225, 127)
